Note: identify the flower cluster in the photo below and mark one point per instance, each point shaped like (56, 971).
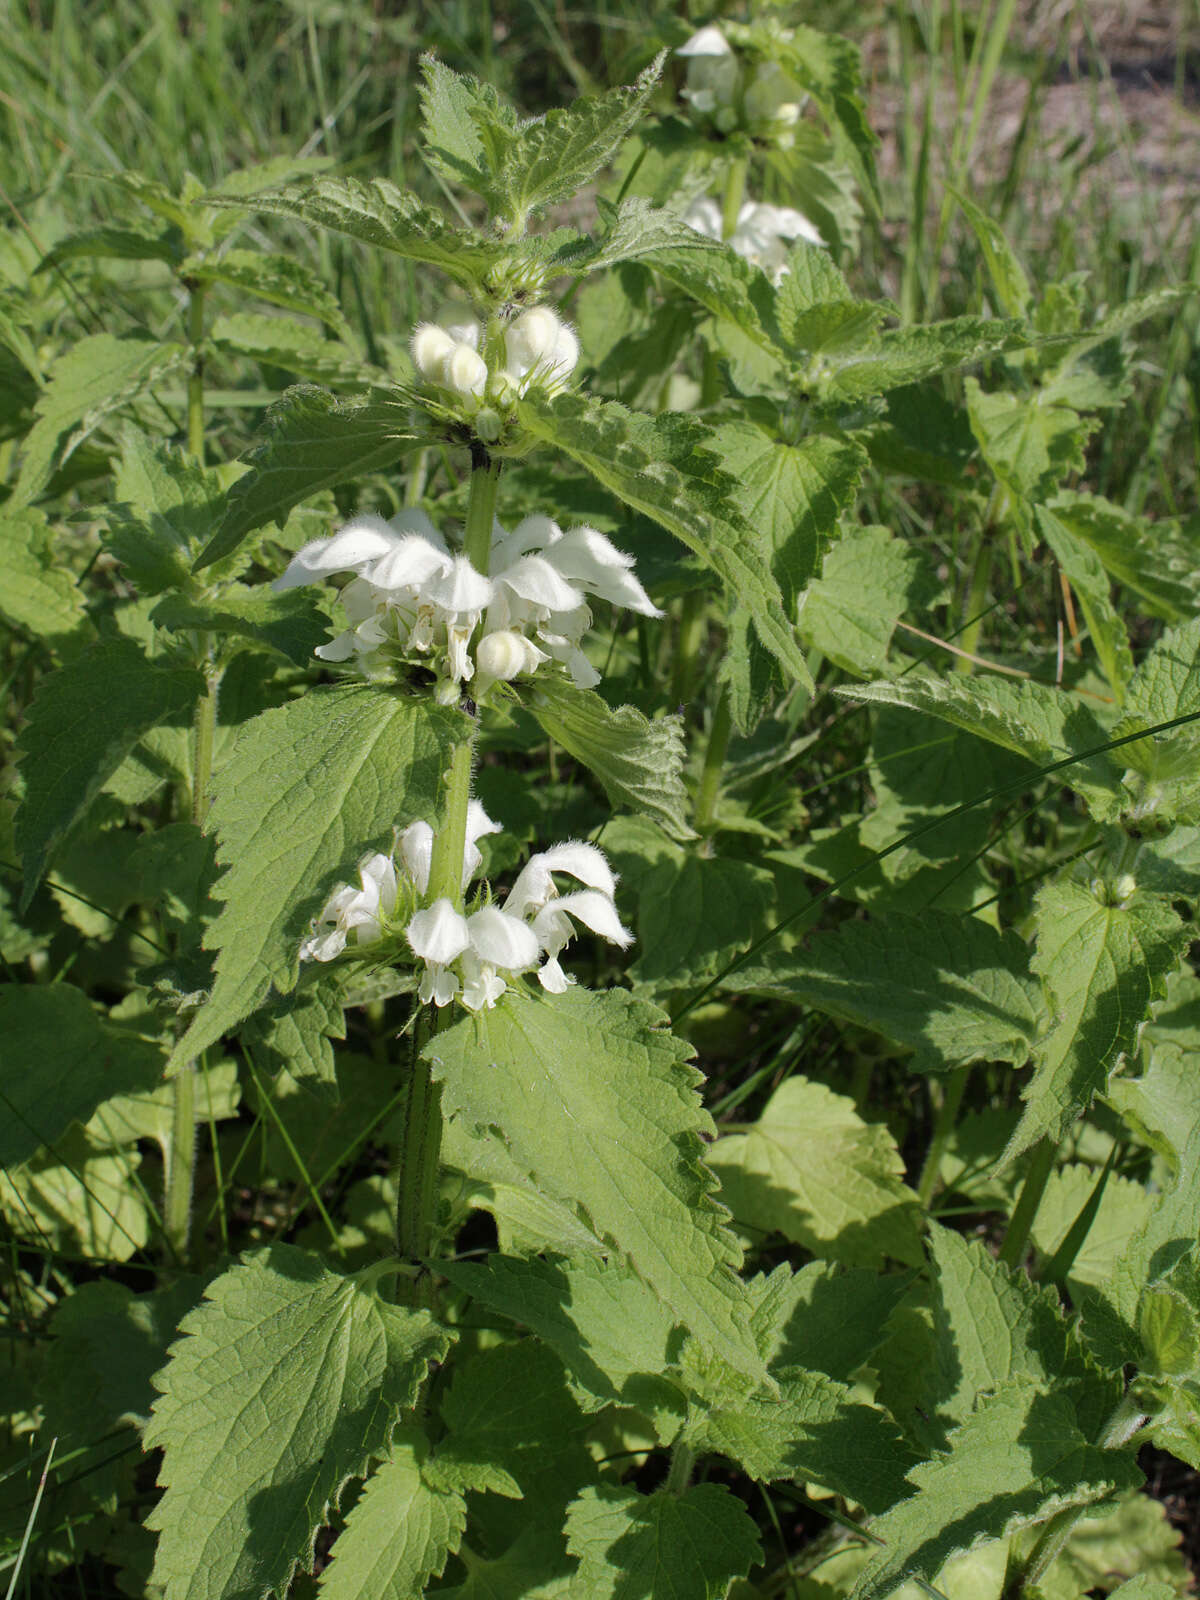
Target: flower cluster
(413, 598)
(762, 235)
(472, 955)
(538, 349)
(767, 103)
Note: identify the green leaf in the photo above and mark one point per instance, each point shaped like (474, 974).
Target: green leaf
(537, 162)
(850, 612)
(288, 1379)
(83, 721)
(951, 988)
(1030, 445)
(513, 1427)
(311, 786)
(661, 1546)
(595, 1102)
(663, 474)
(728, 286)
(1007, 274)
(60, 1061)
(297, 347)
(37, 593)
(1122, 1210)
(812, 1169)
(830, 68)
(1042, 724)
(77, 1201)
(906, 355)
(1151, 558)
(636, 230)
(165, 506)
(600, 1320)
(389, 218)
(292, 623)
(314, 441)
(1019, 1458)
(1085, 571)
(694, 912)
(794, 494)
(1103, 964)
(296, 1033)
(824, 1318)
(116, 244)
(280, 280)
(95, 377)
(400, 1532)
(451, 109)
(639, 762)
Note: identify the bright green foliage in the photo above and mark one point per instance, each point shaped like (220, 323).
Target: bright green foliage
(639, 762)
(673, 478)
(1029, 443)
(86, 719)
(1151, 558)
(165, 508)
(661, 1546)
(288, 1379)
(850, 612)
(1016, 1460)
(1120, 1213)
(1086, 572)
(815, 1431)
(1132, 1537)
(1006, 272)
(1102, 963)
(311, 786)
(300, 348)
(812, 1169)
(291, 623)
(77, 1200)
(296, 1032)
(628, 1150)
(824, 1318)
(315, 441)
(792, 493)
(36, 595)
(280, 280)
(953, 989)
(601, 1321)
(1042, 724)
(399, 1533)
(92, 380)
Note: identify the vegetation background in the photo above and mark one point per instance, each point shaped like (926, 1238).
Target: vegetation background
(1075, 124)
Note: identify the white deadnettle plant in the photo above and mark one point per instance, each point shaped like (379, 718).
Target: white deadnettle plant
(762, 233)
(472, 955)
(413, 598)
(766, 102)
(538, 350)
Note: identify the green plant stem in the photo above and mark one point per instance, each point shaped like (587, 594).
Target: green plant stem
(420, 1157)
(679, 1475)
(1126, 1419)
(714, 760)
(181, 1164)
(942, 1129)
(692, 629)
(195, 387)
(481, 508)
(445, 873)
(735, 193)
(1041, 1165)
(976, 601)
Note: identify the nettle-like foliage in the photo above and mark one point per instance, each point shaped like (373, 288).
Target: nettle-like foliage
(517, 1349)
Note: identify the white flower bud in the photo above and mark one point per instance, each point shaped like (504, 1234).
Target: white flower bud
(431, 346)
(464, 371)
(506, 654)
(540, 343)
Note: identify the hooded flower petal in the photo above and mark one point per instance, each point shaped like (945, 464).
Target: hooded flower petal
(415, 845)
(502, 940)
(478, 824)
(460, 590)
(534, 578)
(588, 558)
(412, 561)
(595, 910)
(362, 541)
(438, 934)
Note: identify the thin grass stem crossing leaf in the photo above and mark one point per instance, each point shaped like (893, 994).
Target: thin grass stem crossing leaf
(1103, 963)
(399, 1533)
(954, 989)
(83, 722)
(311, 786)
(288, 1379)
(596, 1104)
(661, 1546)
(812, 1169)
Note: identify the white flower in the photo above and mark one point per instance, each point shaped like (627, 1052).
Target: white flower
(712, 72)
(540, 349)
(354, 913)
(762, 234)
(773, 101)
(415, 844)
(450, 357)
(505, 655)
(536, 894)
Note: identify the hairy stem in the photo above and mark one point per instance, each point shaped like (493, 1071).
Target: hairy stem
(481, 508)
(181, 1164)
(692, 629)
(1041, 1165)
(445, 873)
(942, 1129)
(714, 760)
(195, 387)
(683, 1459)
(420, 1155)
